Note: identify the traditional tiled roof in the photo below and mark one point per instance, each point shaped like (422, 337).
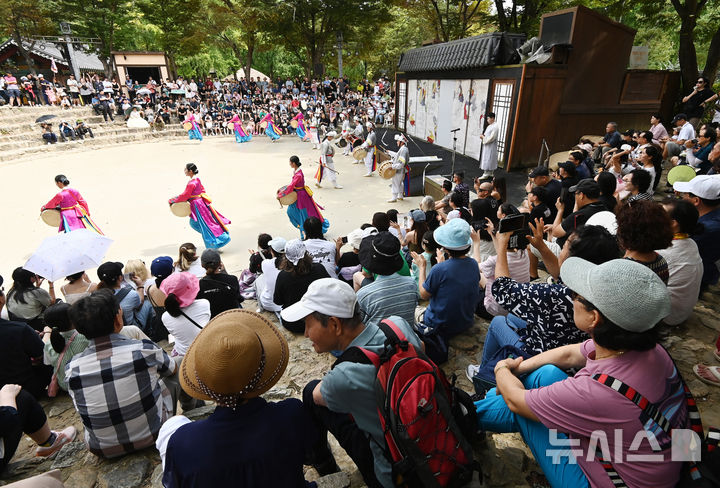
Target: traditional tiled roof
(45, 49)
(495, 49)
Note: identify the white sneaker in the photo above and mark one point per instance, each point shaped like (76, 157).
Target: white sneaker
(369, 174)
(392, 201)
(338, 187)
(472, 370)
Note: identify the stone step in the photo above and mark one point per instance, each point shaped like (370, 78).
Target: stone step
(34, 139)
(137, 135)
(29, 136)
(31, 113)
(19, 128)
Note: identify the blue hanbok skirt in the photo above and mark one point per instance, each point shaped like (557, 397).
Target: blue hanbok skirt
(298, 216)
(271, 133)
(194, 133)
(211, 241)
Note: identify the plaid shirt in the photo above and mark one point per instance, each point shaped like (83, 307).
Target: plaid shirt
(116, 388)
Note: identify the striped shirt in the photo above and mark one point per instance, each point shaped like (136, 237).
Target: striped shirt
(50, 356)
(116, 388)
(386, 296)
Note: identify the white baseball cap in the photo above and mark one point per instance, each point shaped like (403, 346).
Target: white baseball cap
(355, 237)
(295, 250)
(278, 244)
(327, 296)
(703, 186)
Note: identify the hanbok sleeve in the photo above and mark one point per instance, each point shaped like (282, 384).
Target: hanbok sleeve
(80, 200)
(184, 196)
(54, 202)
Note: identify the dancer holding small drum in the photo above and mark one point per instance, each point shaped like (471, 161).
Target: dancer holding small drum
(271, 129)
(192, 127)
(204, 219)
(304, 206)
(67, 210)
(240, 134)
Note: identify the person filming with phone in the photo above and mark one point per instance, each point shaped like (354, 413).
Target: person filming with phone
(587, 204)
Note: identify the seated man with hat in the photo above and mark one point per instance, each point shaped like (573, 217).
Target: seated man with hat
(587, 201)
(453, 285)
(390, 293)
(246, 441)
(218, 287)
(333, 323)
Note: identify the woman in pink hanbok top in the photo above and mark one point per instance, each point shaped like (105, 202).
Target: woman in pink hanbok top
(305, 207)
(271, 130)
(204, 219)
(72, 206)
(240, 134)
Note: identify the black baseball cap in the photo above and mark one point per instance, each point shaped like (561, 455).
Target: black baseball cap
(680, 116)
(587, 187)
(109, 271)
(539, 171)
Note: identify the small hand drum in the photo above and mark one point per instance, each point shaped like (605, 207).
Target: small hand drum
(359, 153)
(51, 217)
(294, 123)
(288, 199)
(385, 170)
(180, 209)
(187, 125)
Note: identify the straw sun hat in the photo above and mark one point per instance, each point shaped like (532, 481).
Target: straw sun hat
(238, 355)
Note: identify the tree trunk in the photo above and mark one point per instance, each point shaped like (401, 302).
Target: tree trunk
(249, 57)
(713, 58)
(687, 54)
(25, 54)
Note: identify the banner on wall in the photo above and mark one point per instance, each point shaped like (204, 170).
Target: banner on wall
(411, 108)
(475, 109)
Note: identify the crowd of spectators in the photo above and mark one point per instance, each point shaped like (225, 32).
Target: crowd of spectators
(431, 272)
(214, 101)
(622, 263)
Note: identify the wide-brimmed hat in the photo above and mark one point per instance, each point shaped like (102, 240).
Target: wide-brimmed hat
(185, 286)
(380, 253)
(454, 235)
(239, 354)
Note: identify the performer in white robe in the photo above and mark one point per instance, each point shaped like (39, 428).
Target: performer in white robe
(313, 130)
(357, 132)
(401, 167)
(489, 158)
(345, 134)
(327, 171)
(369, 146)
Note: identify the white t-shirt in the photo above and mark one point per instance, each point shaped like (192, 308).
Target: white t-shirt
(270, 273)
(323, 252)
(195, 268)
(686, 271)
(182, 329)
(72, 85)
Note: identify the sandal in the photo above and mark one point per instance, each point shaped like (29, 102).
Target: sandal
(712, 371)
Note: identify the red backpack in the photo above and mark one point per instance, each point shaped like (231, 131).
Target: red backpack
(425, 419)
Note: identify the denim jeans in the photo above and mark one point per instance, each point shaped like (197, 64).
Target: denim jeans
(502, 332)
(494, 415)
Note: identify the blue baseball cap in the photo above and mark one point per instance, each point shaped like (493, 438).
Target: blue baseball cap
(162, 267)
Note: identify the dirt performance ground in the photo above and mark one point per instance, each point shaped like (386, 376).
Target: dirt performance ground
(127, 188)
